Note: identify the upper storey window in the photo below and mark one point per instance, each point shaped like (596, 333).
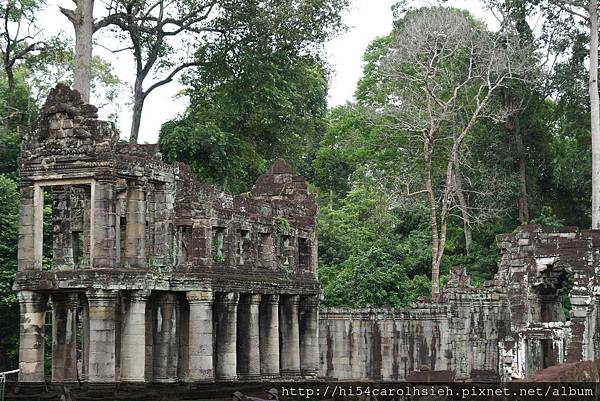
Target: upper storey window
(303, 253)
(218, 244)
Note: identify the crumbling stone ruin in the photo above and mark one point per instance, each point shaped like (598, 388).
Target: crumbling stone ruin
(513, 324)
(156, 277)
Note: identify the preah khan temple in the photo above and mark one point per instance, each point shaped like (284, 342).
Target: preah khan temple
(156, 277)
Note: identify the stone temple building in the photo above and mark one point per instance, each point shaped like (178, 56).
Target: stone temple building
(155, 277)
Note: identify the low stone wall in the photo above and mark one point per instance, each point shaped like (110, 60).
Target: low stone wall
(459, 337)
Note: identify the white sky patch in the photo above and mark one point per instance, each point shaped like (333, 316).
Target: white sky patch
(366, 20)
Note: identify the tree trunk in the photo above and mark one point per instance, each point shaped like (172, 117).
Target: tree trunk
(83, 23)
(138, 105)
(595, 112)
(522, 204)
(435, 262)
(462, 202)
(11, 101)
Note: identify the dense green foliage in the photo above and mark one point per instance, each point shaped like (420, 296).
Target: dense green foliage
(362, 166)
(262, 100)
(9, 308)
(272, 108)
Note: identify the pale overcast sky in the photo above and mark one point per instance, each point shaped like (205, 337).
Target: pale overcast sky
(366, 19)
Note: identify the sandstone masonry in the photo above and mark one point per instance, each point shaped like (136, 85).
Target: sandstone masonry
(155, 277)
(517, 323)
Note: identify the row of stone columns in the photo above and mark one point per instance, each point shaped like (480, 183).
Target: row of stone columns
(261, 336)
(230, 336)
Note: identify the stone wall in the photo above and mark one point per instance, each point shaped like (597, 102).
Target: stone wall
(514, 324)
(458, 337)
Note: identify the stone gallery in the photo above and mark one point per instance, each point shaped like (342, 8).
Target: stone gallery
(155, 277)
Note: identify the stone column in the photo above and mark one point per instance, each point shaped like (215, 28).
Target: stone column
(314, 250)
(64, 337)
(26, 256)
(85, 337)
(166, 339)
(248, 349)
(135, 234)
(309, 336)
(290, 342)
(269, 337)
(201, 336)
(149, 356)
(163, 243)
(133, 337)
(101, 345)
(102, 225)
(31, 339)
(226, 310)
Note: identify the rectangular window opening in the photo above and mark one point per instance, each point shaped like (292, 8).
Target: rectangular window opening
(303, 253)
(184, 234)
(63, 217)
(283, 251)
(218, 244)
(243, 246)
(50, 227)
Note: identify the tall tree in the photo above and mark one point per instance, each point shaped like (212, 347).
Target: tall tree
(245, 114)
(207, 29)
(82, 19)
(259, 94)
(441, 76)
(148, 26)
(587, 11)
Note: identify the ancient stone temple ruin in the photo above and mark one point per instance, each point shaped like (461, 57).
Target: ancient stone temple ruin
(137, 272)
(517, 322)
(154, 276)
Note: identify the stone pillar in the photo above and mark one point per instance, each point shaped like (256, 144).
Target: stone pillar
(309, 336)
(166, 339)
(26, 248)
(64, 337)
(226, 319)
(85, 338)
(135, 234)
(248, 348)
(163, 243)
(200, 336)
(150, 315)
(269, 337)
(133, 337)
(101, 345)
(290, 342)
(31, 339)
(103, 237)
(314, 257)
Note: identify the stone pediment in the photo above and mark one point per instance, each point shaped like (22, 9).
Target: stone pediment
(68, 129)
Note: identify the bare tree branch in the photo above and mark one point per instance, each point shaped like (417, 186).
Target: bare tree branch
(170, 77)
(444, 71)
